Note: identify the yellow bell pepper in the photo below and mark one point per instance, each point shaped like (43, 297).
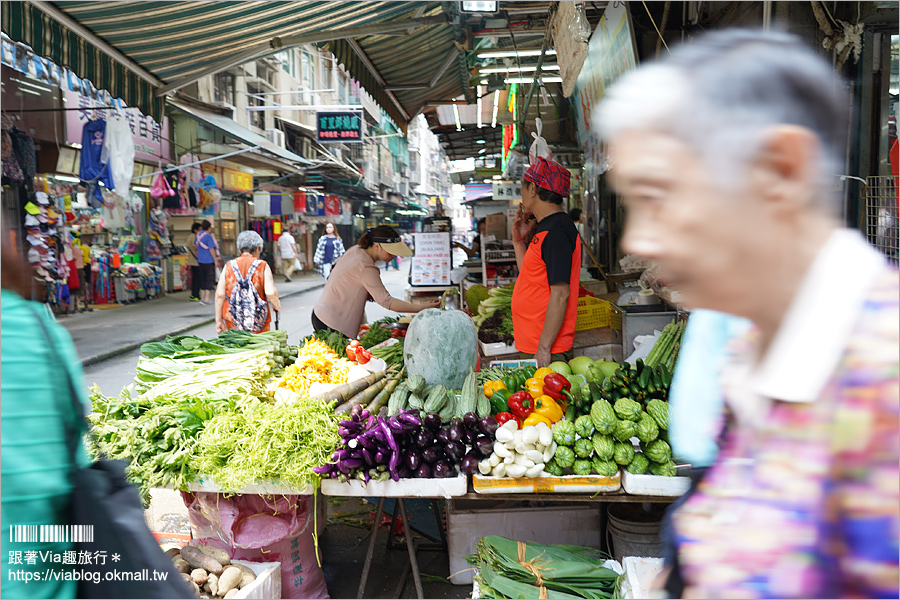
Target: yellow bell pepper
(548, 407)
(535, 418)
(534, 387)
(492, 386)
(541, 373)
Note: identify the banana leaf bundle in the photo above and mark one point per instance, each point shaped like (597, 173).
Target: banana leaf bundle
(511, 569)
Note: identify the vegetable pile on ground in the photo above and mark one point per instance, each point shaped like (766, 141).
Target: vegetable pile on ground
(408, 445)
(498, 298)
(316, 363)
(511, 569)
(209, 571)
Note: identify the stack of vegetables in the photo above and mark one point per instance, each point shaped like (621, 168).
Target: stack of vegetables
(333, 339)
(380, 330)
(211, 415)
(541, 397)
(498, 328)
(408, 444)
(520, 452)
(498, 298)
(316, 363)
(415, 393)
(665, 350)
(511, 569)
(602, 441)
(274, 343)
(391, 354)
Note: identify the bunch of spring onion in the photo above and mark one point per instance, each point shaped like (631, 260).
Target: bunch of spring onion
(511, 569)
(275, 343)
(498, 297)
(204, 377)
(261, 443)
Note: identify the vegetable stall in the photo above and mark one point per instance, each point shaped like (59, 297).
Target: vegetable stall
(250, 427)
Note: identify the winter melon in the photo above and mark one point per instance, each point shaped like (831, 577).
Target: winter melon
(441, 346)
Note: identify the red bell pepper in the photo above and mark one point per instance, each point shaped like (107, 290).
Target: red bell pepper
(362, 355)
(520, 405)
(503, 417)
(557, 386)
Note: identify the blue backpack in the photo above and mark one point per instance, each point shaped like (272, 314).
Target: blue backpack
(248, 311)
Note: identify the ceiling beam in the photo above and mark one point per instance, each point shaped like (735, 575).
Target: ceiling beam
(363, 57)
(278, 44)
(451, 56)
(91, 37)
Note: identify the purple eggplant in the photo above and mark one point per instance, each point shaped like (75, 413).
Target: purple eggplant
(355, 412)
(455, 451)
(470, 420)
(381, 457)
(424, 471)
(455, 432)
(345, 433)
(423, 438)
(432, 421)
(409, 419)
(340, 455)
(350, 424)
(470, 462)
(488, 426)
(468, 436)
(364, 415)
(442, 469)
(483, 445)
(367, 457)
(412, 459)
(323, 470)
(443, 435)
(405, 472)
(432, 454)
(365, 440)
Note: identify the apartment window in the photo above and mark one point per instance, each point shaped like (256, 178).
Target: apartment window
(325, 65)
(307, 75)
(353, 97)
(224, 88)
(257, 117)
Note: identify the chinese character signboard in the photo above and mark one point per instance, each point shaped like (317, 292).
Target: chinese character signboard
(339, 126)
(148, 136)
(507, 191)
(237, 181)
(431, 263)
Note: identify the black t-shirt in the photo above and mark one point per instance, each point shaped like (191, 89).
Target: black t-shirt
(558, 246)
(476, 244)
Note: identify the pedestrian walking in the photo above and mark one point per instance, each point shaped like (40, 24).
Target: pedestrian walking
(193, 264)
(287, 247)
(329, 249)
(207, 257)
(246, 289)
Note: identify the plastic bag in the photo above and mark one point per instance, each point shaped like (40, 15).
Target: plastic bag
(539, 147)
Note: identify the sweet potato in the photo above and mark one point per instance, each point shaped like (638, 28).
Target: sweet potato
(247, 576)
(229, 579)
(231, 593)
(199, 576)
(213, 583)
(216, 554)
(181, 565)
(200, 560)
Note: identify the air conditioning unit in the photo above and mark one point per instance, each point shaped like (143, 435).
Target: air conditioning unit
(228, 109)
(276, 136)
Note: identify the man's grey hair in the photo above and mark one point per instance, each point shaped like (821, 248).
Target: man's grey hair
(248, 241)
(721, 93)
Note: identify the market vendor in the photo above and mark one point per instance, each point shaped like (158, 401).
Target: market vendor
(475, 250)
(548, 254)
(356, 279)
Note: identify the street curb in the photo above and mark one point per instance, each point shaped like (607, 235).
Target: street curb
(97, 358)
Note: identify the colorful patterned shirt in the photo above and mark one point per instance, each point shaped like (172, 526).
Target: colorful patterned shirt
(803, 500)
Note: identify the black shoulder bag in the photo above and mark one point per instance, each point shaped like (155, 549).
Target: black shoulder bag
(126, 560)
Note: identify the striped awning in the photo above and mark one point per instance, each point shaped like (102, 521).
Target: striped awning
(132, 49)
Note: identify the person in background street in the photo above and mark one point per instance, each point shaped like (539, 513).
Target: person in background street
(193, 264)
(36, 470)
(575, 213)
(724, 153)
(548, 254)
(476, 241)
(247, 266)
(288, 249)
(207, 257)
(328, 250)
(356, 279)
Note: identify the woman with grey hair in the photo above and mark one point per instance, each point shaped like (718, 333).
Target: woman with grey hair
(246, 289)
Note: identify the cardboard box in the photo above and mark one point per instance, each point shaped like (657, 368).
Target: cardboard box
(495, 225)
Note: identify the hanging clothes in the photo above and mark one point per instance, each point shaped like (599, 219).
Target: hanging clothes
(94, 167)
(120, 150)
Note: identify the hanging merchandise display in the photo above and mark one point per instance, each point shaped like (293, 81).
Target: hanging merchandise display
(299, 202)
(94, 161)
(119, 148)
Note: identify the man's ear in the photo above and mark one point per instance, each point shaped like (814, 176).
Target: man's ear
(786, 167)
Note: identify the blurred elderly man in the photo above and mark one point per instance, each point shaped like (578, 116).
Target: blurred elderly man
(725, 155)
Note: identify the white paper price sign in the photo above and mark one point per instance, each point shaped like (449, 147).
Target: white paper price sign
(431, 263)
(506, 191)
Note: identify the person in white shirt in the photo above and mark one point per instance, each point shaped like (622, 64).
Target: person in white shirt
(288, 249)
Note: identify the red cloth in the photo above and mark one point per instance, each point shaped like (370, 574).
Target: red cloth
(549, 175)
(74, 281)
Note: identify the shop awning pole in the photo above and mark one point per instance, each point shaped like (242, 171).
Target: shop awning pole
(537, 75)
(199, 162)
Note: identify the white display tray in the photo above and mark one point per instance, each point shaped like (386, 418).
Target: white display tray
(496, 349)
(405, 488)
(654, 485)
(567, 484)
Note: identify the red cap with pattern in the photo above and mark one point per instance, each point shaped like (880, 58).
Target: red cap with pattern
(549, 175)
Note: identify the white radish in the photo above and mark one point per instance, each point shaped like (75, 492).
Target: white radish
(523, 448)
(504, 435)
(510, 459)
(545, 435)
(495, 460)
(523, 461)
(547, 455)
(500, 470)
(484, 467)
(535, 456)
(510, 425)
(530, 435)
